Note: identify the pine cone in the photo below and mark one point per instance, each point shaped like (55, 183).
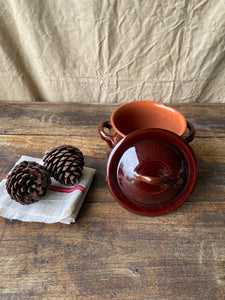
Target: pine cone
(65, 163)
(28, 182)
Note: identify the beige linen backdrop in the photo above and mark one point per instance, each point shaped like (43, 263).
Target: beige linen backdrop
(112, 50)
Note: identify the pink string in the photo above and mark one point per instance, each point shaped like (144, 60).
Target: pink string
(65, 189)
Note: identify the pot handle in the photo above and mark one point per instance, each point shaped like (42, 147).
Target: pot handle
(106, 137)
(191, 135)
(141, 178)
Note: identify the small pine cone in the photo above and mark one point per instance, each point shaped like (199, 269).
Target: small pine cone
(28, 182)
(65, 163)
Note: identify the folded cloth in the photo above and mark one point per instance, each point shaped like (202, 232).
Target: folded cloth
(60, 204)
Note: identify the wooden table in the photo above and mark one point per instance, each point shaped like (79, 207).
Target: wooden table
(111, 253)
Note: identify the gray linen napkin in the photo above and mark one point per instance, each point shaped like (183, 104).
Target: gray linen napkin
(60, 204)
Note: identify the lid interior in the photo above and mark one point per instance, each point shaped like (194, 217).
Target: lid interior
(151, 171)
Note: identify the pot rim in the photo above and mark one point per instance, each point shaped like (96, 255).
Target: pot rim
(155, 106)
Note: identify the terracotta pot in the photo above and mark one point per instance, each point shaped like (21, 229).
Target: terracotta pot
(151, 169)
(138, 115)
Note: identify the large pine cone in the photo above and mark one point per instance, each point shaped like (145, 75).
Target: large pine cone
(28, 182)
(65, 163)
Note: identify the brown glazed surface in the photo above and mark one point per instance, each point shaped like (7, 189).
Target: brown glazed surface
(151, 171)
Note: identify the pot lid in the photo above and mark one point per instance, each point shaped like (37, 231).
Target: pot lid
(151, 171)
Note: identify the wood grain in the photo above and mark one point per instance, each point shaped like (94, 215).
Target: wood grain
(110, 253)
(82, 119)
(210, 157)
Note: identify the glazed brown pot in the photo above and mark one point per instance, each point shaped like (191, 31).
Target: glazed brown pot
(137, 115)
(151, 169)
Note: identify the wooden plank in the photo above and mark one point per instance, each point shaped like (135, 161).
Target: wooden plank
(111, 253)
(83, 119)
(208, 119)
(49, 119)
(209, 153)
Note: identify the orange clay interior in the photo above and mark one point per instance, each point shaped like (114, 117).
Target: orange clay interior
(147, 114)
